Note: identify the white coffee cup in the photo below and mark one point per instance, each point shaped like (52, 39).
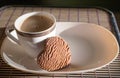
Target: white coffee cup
(32, 41)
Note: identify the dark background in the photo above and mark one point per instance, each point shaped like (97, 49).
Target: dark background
(112, 5)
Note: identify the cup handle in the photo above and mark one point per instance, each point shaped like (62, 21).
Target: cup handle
(8, 30)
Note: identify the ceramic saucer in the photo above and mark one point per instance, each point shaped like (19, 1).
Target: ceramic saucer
(92, 47)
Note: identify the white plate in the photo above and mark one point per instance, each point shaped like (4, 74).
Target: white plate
(92, 47)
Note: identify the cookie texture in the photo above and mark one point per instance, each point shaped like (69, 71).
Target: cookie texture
(55, 55)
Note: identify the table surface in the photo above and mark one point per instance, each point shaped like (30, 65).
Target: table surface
(89, 15)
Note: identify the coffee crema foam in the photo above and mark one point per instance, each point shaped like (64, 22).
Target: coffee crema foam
(36, 23)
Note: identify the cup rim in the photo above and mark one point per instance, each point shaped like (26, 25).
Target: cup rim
(41, 33)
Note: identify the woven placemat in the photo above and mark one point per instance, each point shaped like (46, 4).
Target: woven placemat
(89, 15)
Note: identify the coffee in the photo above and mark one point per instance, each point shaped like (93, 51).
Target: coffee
(31, 31)
(36, 23)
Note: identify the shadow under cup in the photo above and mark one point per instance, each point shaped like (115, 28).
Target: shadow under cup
(32, 29)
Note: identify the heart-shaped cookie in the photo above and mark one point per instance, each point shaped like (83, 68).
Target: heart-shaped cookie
(56, 54)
